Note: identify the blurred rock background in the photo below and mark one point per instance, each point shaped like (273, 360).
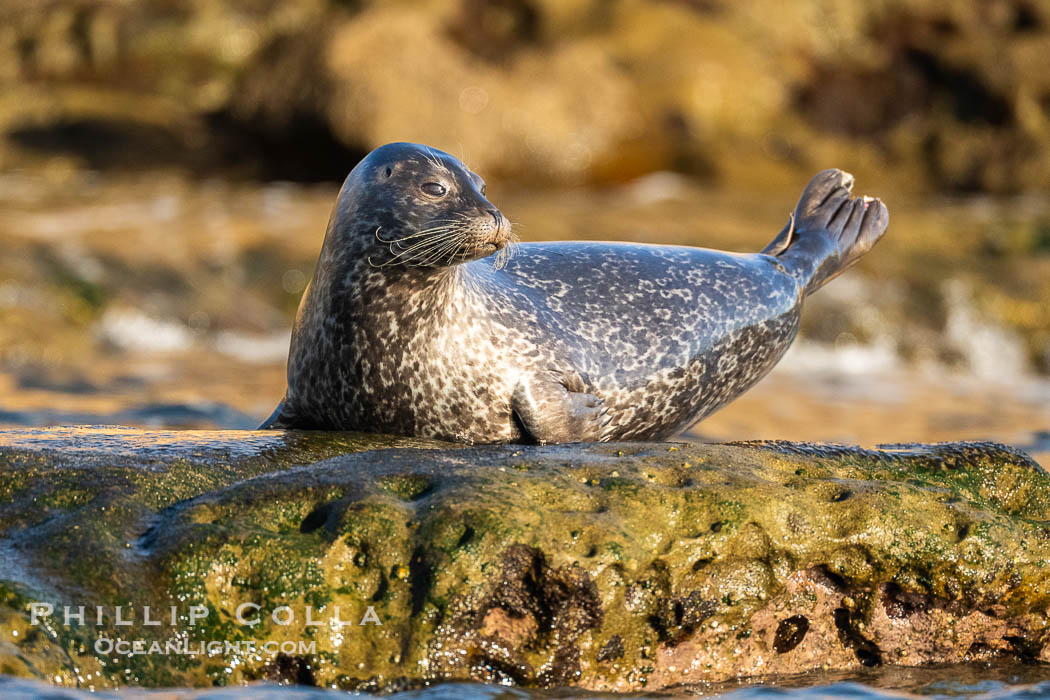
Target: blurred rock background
(166, 167)
(949, 96)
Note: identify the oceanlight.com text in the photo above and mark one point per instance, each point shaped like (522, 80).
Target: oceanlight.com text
(184, 647)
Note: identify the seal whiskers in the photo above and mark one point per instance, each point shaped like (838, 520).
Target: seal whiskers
(439, 239)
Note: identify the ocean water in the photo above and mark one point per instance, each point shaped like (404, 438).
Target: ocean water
(994, 681)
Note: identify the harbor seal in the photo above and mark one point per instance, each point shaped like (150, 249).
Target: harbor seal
(417, 321)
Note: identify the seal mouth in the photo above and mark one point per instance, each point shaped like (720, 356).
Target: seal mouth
(484, 249)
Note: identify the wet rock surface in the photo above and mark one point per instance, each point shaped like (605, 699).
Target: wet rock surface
(611, 567)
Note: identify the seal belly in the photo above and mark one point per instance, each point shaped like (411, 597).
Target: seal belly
(664, 335)
(672, 400)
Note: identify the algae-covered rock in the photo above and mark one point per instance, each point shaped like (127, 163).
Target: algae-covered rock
(616, 567)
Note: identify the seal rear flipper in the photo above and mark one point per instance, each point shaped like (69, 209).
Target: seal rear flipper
(828, 231)
(784, 239)
(551, 411)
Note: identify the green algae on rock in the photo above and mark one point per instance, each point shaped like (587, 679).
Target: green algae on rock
(614, 567)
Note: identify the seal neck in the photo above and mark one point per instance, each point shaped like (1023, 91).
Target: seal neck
(425, 292)
(425, 285)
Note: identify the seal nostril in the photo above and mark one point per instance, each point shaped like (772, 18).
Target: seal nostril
(497, 218)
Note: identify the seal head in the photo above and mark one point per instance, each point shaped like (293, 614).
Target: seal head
(419, 207)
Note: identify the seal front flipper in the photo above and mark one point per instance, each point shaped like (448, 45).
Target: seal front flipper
(553, 406)
(828, 231)
(276, 420)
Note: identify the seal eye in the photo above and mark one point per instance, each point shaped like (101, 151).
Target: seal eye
(434, 189)
(389, 172)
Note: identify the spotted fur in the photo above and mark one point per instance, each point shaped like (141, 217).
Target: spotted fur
(566, 341)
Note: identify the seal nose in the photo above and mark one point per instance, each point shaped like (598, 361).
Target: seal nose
(498, 218)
